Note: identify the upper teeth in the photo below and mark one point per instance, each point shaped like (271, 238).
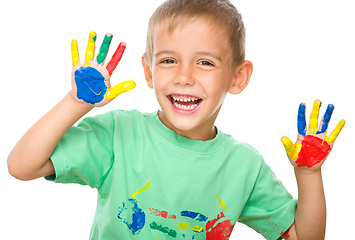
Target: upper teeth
(184, 99)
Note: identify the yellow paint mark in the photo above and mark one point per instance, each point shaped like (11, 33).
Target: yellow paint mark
(90, 49)
(197, 228)
(331, 138)
(120, 88)
(183, 225)
(291, 150)
(74, 53)
(92, 89)
(147, 185)
(314, 117)
(221, 202)
(222, 205)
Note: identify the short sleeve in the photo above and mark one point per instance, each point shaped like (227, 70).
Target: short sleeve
(270, 209)
(84, 155)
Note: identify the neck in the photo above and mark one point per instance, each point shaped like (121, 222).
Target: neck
(206, 131)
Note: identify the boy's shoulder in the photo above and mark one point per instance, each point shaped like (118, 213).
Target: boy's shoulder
(235, 144)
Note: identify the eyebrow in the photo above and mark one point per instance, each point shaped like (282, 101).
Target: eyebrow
(197, 53)
(210, 54)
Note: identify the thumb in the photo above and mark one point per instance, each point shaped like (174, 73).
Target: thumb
(122, 87)
(291, 150)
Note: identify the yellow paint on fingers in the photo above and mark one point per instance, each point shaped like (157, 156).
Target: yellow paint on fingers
(90, 49)
(314, 117)
(331, 138)
(291, 150)
(120, 88)
(74, 53)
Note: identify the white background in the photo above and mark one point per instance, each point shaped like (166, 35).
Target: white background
(301, 51)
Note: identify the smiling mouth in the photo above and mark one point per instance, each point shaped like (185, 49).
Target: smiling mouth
(184, 102)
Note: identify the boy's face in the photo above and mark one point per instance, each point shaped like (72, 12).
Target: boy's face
(190, 75)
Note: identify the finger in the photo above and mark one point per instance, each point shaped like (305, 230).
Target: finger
(90, 49)
(301, 120)
(333, 136)
(314, 117)
(116, 58)
(120, 88)
(291, 150)
(326, 118)
(74, 53)
(104, 48)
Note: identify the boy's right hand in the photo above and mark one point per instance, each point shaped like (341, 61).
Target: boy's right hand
(91, 80)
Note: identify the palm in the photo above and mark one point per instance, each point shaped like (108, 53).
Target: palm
(312, 145)
(91, 80)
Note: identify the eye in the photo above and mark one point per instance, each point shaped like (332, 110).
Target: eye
(168, 61)
(206, 63)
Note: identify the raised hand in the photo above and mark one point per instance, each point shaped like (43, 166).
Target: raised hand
(91, 80)
(312, 145)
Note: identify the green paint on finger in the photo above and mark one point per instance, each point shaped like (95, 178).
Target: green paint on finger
(104, 49)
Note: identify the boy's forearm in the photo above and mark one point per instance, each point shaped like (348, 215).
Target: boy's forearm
(310, 219)
(31, 154)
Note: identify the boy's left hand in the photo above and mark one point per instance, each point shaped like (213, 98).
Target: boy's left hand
(312, 145)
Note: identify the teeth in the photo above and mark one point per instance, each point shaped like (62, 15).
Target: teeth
(185, 107)
(184, 99)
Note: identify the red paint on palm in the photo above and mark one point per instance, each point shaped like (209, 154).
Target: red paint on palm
(312, 152)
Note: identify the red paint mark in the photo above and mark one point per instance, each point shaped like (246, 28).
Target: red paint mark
(116, 58)
(163, 214)
(221, 231)
(172, 216)
(312, 152)
(286, 235)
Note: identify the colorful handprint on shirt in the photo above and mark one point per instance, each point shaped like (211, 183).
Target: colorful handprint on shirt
(134, 217)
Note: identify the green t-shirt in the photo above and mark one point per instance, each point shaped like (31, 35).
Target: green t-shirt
(155, 184)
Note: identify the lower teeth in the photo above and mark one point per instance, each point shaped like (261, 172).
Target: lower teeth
(185, 107)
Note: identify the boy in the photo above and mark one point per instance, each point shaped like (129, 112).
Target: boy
(172, 173)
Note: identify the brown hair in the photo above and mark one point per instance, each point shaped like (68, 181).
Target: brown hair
(222, 13)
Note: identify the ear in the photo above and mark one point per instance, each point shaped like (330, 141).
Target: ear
(241, 77)
(147, 71)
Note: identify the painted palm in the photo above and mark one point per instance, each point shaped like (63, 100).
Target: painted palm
(91, 80)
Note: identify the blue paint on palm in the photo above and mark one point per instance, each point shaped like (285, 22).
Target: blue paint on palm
(132, 215)
(90, 85)
(301, 120)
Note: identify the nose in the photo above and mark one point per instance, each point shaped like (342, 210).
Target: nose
(185, 76)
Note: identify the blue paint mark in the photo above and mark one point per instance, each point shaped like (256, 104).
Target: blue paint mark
(301, 120)
(326, 118)
(132, 215)
(90, 84)
(194, 215)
